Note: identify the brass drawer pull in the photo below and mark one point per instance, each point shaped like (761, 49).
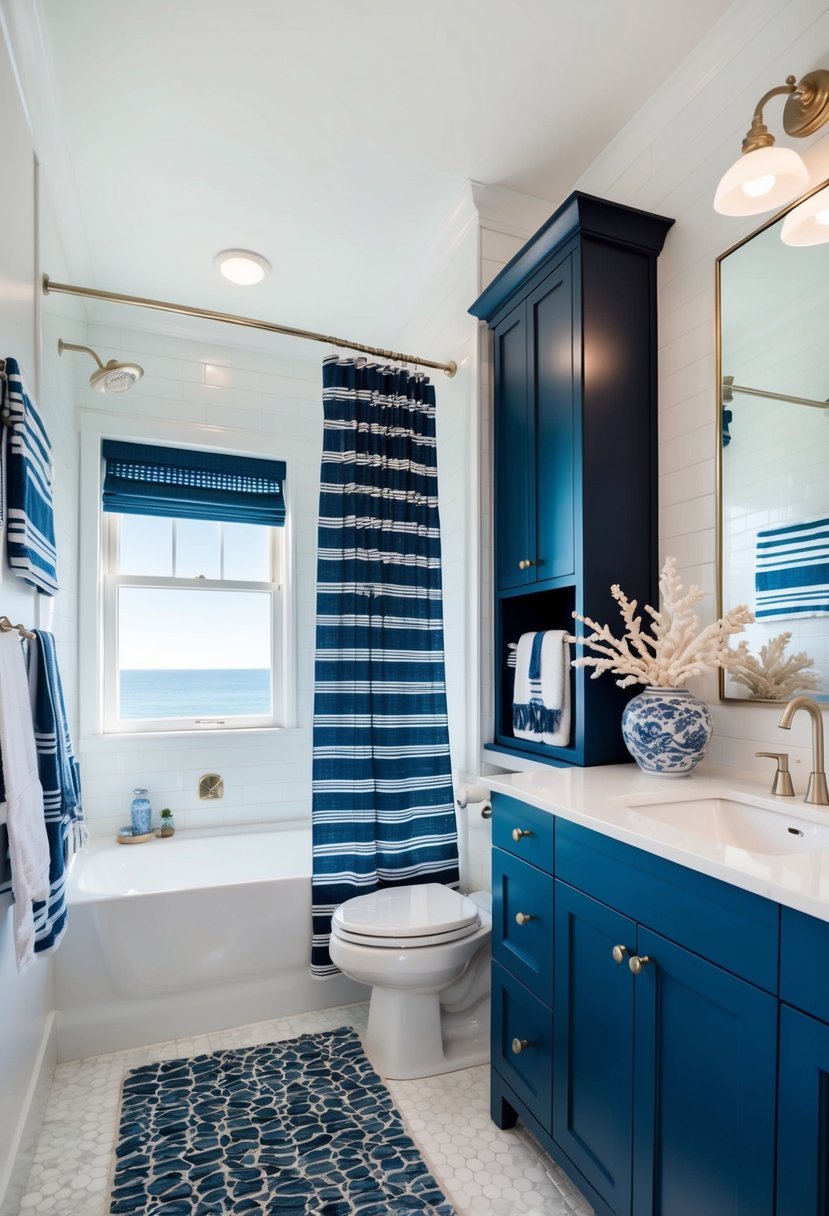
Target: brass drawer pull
(518, 833)
(519, 1045)
(619, 953)
(523, 918)
(637, 962)
(526, 564)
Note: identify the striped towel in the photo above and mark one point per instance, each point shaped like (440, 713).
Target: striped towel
(60, 779)
(30, 529)
(792, 570)
(541, 694)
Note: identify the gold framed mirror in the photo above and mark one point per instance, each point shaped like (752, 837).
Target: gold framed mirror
(772, 431)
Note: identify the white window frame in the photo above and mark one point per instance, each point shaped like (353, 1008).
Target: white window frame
(112, 582)
(95, 426)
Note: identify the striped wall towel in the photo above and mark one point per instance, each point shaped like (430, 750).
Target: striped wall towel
(30, 524)
(28, 842)
(792, 570)
(541, 696)
(60, 779)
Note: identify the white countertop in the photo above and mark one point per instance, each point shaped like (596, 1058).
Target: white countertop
(596, 797)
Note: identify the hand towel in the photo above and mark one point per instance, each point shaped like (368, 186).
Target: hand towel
(28, 842)
(60, 779)
(30, 526)
(541, 697)
(792, 570)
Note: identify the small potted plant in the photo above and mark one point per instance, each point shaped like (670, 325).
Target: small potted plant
(168, 827)
(666, 728)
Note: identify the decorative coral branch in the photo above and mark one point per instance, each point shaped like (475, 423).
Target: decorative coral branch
(773, 676)
(674, 650)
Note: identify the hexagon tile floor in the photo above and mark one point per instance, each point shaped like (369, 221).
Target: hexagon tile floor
(483, 1171)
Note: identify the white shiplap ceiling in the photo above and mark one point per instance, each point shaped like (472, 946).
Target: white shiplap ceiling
(333, 136)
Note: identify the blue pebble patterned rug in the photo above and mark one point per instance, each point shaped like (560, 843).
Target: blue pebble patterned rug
(297, 1128)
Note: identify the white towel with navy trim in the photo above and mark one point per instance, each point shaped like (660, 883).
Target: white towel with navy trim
(60, 778)
(30, 523)
(28, 842)
(541, 695)
(792, 570)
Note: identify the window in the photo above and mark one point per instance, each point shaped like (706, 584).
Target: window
(192, 556)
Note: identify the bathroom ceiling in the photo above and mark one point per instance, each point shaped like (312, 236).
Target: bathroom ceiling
(332, 136)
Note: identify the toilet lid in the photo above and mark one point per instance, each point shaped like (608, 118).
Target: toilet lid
(426, 910)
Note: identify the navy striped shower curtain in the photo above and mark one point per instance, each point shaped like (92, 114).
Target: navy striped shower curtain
(382, 793)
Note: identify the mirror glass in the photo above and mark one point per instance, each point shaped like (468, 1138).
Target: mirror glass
(774, 462)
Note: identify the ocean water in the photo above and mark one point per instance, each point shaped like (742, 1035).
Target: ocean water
(175, 693)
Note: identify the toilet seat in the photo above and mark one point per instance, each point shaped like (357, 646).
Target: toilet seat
(399, 917)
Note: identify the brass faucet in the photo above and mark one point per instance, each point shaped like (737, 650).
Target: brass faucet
(817, 791)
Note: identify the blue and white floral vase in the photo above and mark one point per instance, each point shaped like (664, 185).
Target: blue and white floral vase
(667, 730)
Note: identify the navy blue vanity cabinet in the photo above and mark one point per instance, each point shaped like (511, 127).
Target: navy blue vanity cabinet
(660, 1095)
(573, 317)
(803, 1095)
(593, 1036)
(803, 1115)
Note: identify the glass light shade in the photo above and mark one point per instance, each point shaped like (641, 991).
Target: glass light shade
(760, 181)
(242, 266)
(808, 224)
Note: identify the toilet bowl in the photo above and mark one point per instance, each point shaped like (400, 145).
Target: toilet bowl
(424, 950)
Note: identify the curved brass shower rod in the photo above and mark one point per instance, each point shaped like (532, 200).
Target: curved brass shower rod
(228, 318)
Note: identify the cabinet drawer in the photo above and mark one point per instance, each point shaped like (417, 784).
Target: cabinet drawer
(519, 1016)
(804, 951)
(509, 816)
(524, 946)
(731, 927)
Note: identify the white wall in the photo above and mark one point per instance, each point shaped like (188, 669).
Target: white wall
(26, 1040)
(204, 391)
(668, 160)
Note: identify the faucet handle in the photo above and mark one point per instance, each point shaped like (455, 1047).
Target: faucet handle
(782, 783)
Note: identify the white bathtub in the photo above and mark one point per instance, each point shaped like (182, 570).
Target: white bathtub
(178, 937)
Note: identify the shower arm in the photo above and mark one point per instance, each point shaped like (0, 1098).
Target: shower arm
(62, 346)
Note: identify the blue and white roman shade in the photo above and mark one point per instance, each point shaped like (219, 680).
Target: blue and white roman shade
(382, 790)
(142, 479)
(792, 571)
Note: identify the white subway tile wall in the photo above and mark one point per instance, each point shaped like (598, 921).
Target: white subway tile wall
(668, 160)
(202, 384)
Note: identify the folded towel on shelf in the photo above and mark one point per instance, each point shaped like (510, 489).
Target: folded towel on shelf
(30, 524)
(60, 779)
(541, 695)
(792, 570)
(28, 842)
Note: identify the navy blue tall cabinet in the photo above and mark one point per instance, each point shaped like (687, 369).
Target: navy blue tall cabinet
(573, 317)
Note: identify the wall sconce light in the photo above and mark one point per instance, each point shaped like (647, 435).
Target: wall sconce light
(808, 223)
(764, 176)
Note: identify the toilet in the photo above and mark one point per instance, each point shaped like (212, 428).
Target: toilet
(424, 950)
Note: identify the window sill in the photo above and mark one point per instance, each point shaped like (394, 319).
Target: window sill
(130, 740)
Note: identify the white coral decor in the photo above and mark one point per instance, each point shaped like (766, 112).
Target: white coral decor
(674, 650)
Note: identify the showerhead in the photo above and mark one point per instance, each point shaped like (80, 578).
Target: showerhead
(112, 377)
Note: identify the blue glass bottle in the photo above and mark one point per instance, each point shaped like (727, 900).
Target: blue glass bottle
(141, 813)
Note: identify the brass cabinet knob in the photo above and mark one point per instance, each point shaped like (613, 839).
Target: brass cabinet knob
(519, 1045)
(637, 962)
(518, 833)
(525, 564)
(523, 918)
(619, 953)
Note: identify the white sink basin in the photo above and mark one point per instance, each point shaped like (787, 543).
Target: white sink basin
(731, 823)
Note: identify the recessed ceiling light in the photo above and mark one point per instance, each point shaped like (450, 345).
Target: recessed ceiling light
(242, 266)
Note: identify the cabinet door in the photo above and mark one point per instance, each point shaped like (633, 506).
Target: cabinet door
(803, 1126)
(522, 1042)
(514, 504)
(550, 322)
(593, 1043)
(704, 1115)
